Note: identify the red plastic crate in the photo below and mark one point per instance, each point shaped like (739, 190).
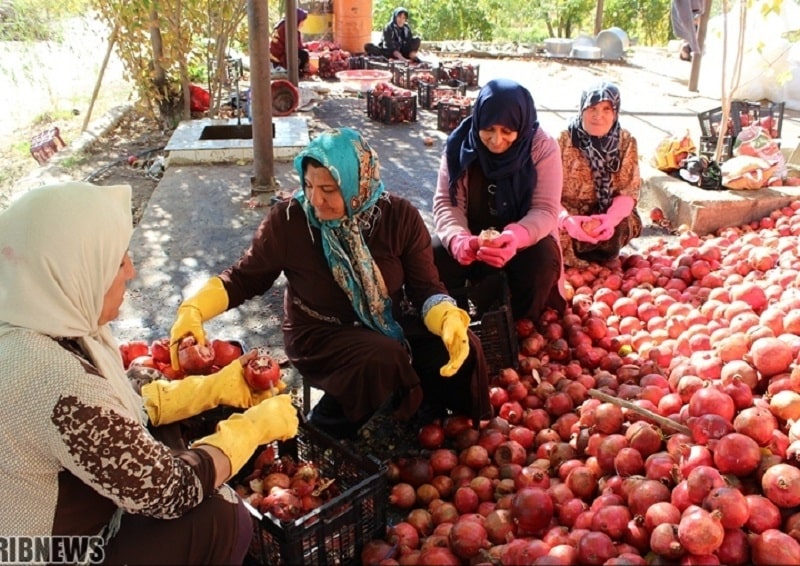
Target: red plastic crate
(451, 112)
(392, 109)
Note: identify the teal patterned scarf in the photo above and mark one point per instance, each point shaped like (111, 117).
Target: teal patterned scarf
(354, 166)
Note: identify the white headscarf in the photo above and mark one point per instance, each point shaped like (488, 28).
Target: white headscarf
(60, 249)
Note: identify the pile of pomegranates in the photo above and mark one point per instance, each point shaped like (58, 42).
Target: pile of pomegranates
(285, 487)
(701, 337)
(193, 358)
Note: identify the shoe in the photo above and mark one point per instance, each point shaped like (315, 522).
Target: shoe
(686, 53)
(327, 415)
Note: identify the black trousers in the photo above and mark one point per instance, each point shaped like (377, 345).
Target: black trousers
(532, 276)
(406, 50)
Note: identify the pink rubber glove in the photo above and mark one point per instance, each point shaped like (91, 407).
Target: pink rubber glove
(463, 248)
(505, 246)
(621, 207)
(573, 226)
(606, 228)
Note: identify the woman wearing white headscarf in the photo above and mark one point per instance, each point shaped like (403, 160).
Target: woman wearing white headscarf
(78, 458)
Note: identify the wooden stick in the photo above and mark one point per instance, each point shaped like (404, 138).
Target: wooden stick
(662, 421)
(112, 39)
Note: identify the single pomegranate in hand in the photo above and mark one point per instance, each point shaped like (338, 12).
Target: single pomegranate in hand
(194, 358)
(487, 237)
(262, 372)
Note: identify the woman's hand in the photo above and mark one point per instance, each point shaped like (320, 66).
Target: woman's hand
(573, 224)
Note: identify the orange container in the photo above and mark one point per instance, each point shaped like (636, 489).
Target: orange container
(352, 24)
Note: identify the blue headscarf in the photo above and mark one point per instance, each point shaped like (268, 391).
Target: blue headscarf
(354, 166)
(602, 153)
(507, 103)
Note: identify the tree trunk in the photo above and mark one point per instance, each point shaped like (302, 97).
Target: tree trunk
(165, 104)
(598, 18)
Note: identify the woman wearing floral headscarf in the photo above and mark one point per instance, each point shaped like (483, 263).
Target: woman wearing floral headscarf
(601, 180)
(501, 170)
(359, 265)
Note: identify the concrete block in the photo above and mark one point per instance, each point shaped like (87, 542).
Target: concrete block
(705, 211)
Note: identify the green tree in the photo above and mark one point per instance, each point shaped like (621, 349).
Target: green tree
(160, 41)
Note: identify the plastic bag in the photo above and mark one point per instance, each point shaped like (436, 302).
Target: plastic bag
(746, 172)
(701, 171)
(671, 151)
(755, 141)
(199, 98)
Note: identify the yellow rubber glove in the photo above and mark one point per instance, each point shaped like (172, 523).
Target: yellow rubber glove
(239, 435)
(451, 323)
(170, 401)
(210, 301)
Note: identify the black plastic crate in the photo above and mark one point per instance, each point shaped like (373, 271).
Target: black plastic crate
(392, 109)
(767, 114)
(335, 532)
(356, 62)
(409, 76)
(467, 72)
(710, 121)
(330, 64)
(708, 147)
(489, 306)
(430, 93)
(743, 113)
(379, 63)
(451, 112)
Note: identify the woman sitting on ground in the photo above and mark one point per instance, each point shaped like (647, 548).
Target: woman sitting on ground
(500, 170)
(366, 317)
(277, 44)
(601, 180)
(398, 40)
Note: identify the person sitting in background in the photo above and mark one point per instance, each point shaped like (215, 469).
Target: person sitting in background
(501, 170)
(78, 456)
(365, 314)
(398, 41)
(277, 44)
(601, 180)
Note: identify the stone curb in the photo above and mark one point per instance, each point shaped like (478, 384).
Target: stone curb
(53, 171)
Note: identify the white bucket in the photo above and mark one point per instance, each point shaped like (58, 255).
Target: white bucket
(613, 42)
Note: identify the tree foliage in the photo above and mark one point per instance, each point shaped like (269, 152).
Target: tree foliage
(161, 40)
(166, 44)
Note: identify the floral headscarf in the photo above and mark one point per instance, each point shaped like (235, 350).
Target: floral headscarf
(603, 153)
(354, 166)
(507, 103)
(60, 250)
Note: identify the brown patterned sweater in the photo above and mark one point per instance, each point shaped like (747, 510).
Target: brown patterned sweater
(71, 453)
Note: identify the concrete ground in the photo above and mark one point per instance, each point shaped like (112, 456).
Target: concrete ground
(200, 217)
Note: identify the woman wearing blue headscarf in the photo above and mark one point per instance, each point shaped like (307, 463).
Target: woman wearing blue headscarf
(601, 180)
(365, 313)
(500, 170)
(398, 40)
